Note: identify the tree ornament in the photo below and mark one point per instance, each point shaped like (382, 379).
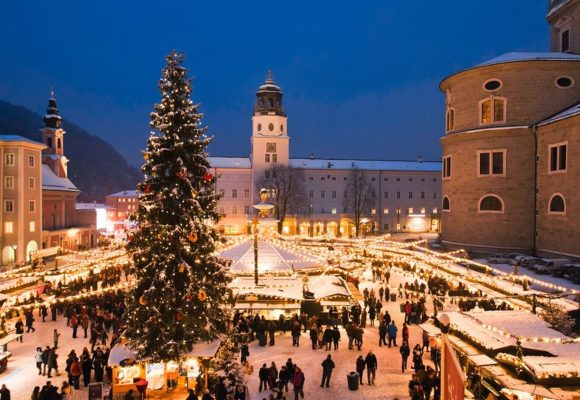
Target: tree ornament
(189, 297)
(179, 316)
(192, 237)
(181, 174)
(147, 189)
(207, 177)
(182, 267)
(142, 300)
(146, 156)
(202, 295)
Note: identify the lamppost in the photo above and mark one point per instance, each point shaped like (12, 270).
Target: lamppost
(263, 208)
(14, 247)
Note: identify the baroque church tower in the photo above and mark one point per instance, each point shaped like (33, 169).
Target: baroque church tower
(53, 138)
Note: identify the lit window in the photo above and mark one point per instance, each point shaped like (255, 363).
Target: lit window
(386, 211)
(446, 167)
(8, 205)
(32, 226)
(491, 204)
(373, 211)
(450, 120)
(410, 210)
(423, 210)
(492, 110)
(9, 159)
(398, 210)
(557, 204)
(492, 162)
(558, 154)
(398, 227)
(9, 182)
(435, 210)
(334, 210)
(8, 227)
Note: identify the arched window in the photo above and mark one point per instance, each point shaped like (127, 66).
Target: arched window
(446, 204)
(59, 143)
(491, 204)
(557, 204)
(492, 110)
(49, 142)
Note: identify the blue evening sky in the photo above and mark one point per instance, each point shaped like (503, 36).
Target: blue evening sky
(360, 78)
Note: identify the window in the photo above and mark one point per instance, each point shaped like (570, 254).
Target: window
(492, 162)
(492, 85)
(333, 210)
(311, 194)
(446, 167)
(31, 205)
(410, 210)
(334, 194)
(398, 179)
(8, 206)
(557, 204)
(31, 161)
(422, 195)
(434, 195)
(8, 227)
(234, 193)
(386, 211)
(450, 119)
(322, 178)
(398, 210)
(247, 193)
(491, 204)
(334, 178)
(59, 143)
(271, 147)
(32, 226)
(564, 82)
(274, 158)
(565, 41)
(446, 204)
(422, 179)
(410, 195)
(9, 182)
(259, 127)
(310, 178)
(9, 159)
(386, 195)
(234, 209)
(410, 179)
(386, 227)
(267, 157)
(373, 194)
(435, 179)
(492, 110)
(322, 194)
(373, 179)
(246, 209)
(558, 154)
(434, 210)
(345, 178)
(386, 179)
(49, 143)
(398, 227)
(373, 211)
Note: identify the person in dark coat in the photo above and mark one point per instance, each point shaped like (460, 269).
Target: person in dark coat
(29, 321)
(405, 351)
(221, 391)
(327, 338)
(4, 393)
(271, 331)
(86, 366)
(284, 378)
(19, 326)
(52, 361)
(371, 364)
(383, 334)
(295, 333)
(360, 367)
(314, 337)
(327, 367)
(263, 374)
(298, 380)
(336, 337)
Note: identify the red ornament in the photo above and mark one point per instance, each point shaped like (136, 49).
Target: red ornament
(179, 316)
(181, 174)
(189, 297)
(208, 177)
(147, 189)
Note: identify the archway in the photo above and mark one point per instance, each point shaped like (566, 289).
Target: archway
(30, 247)
(7, 255)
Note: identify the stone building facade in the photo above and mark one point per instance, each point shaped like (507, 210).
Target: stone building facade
(405, 194)
(510, 178)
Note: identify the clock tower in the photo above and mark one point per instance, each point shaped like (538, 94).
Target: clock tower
(270, 141)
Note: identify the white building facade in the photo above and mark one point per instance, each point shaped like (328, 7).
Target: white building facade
(405, 195)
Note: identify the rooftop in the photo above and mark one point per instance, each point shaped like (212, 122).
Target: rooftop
(569, 112)
(518, 57)
(230, 162)
(50, 181)
(125, 193)
(18, 138)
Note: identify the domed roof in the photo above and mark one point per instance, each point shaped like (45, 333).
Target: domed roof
(269, 85)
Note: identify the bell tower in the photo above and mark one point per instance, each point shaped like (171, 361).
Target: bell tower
(53, 138)
(564, 19)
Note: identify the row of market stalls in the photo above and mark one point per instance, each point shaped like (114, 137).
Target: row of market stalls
(275, 296)
(513, 355)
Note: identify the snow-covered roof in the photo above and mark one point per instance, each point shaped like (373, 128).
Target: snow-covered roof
(324, 286)
(230, 162)
(517, 57)
(125, 193)
(367, 165)
(18, 138)
(90, 206)
(569, 112)
(50, 181)
(269, 286)
(555, 5)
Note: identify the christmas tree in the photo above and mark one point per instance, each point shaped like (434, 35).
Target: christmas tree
(180, 284)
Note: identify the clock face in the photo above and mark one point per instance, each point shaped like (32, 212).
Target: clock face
(271, 127)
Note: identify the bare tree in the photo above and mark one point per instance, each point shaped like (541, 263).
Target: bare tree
(287, 190)
(358, 197)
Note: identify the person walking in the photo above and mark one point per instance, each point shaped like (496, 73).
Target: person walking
(405, 333)
(29, 317)
(35, 393)
(86, 366)
(360, 368)
(263, 374)
(336, 337)
(273, 376)
(271, 332)
(75, 373)
(405, 351)
(372, 315)
(314, 336)
(55, 337)
(371, 365)
(425, 341)
(417, 357)
(38, 359)
(381, 292)
(392, 331)
(383, 333)
(295, 333)
(19, 326)
(85, 323)
(52, 361)
(45, 354)
(327, 367)
(327, 338)
(298, 382)
(4, 393)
